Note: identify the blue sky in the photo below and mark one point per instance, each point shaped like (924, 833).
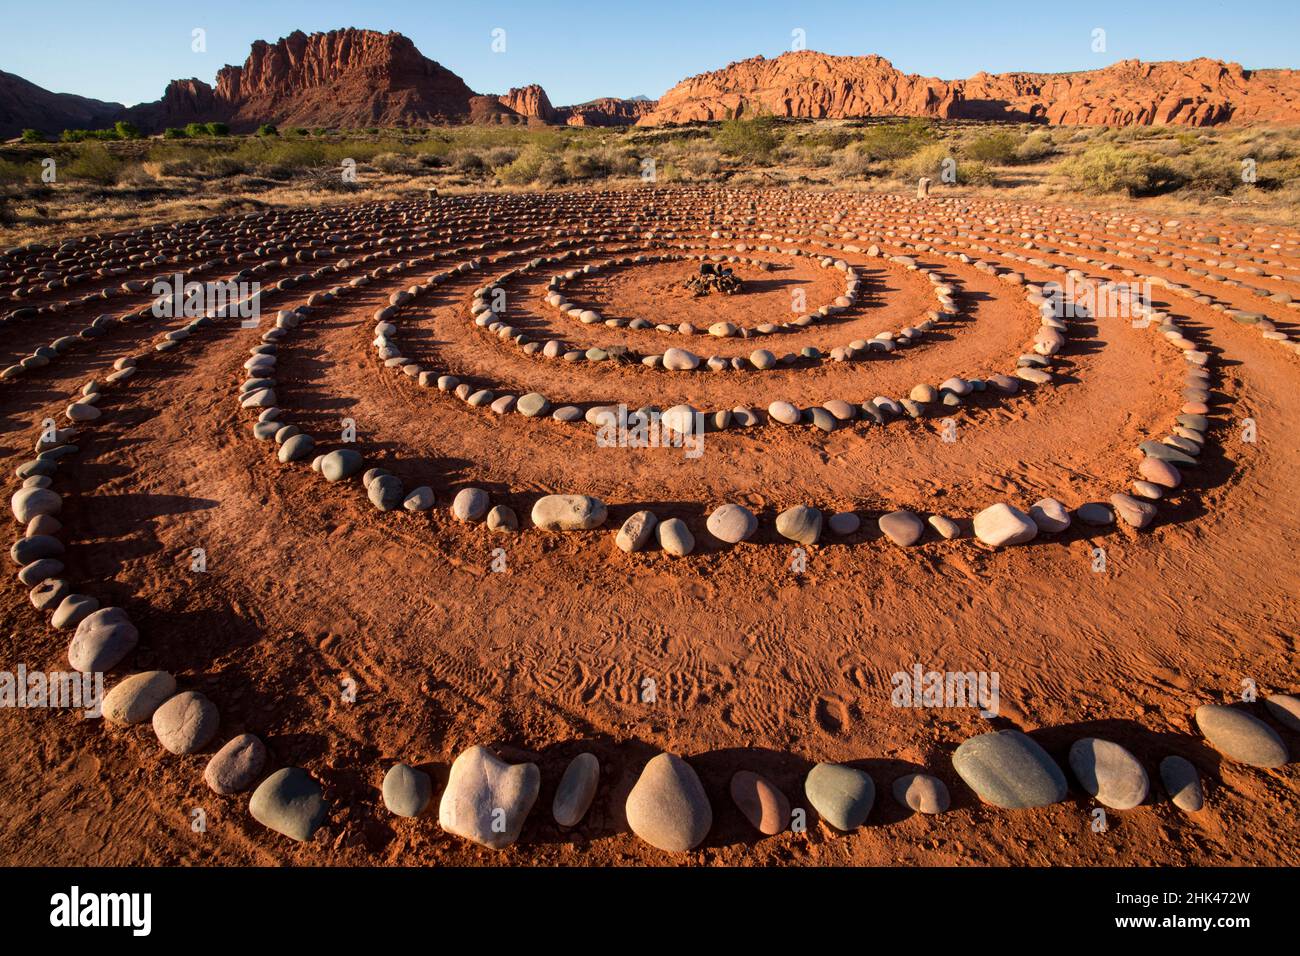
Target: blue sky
(127, 50)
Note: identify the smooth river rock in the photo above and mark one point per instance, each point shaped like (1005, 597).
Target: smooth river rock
(487, 800)
(102, 640)
(237, 765)
(134, 699)
(1007, 769)
(922, 793)
(186, 722)
(1109, 773)
(668, 807)
(1183, 783)
(842, 796)
(760, 801)
(406, 790)
(1236, 734)
(569, 513)
(290, 802)
(577, 788)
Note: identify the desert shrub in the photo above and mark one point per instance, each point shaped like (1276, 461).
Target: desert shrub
(217, 129)
(599, 164)
(175, 132)
(1103, 168)
(394, 163)
(523, 169)
(1278, 174)
(895, 140)
(125, 130)
(854, 163)
(267, 129)
(697, 163)
(297, 131)
(11, 172)
(1201, 172)
(998, 148)
(223, 167)
(1035, 147)
(33, 136)
(751, 140)
(927, 161)
(500, 156)
(196, 130)
(832, 139)
(469, 162)
(975, 174)
(94, 164)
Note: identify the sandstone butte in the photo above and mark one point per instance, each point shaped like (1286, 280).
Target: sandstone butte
(805, 83)
(357, 78)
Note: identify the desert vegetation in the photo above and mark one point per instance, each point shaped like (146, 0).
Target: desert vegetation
(119, 176)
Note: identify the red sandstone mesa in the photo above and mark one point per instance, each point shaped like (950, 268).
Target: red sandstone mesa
(1199, 92)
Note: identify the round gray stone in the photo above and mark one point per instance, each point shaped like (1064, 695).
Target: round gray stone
(842, 796)
(186, 722)
(236, 765)
(577, 788)
(731, 523)
(407, 791)
(1109, 773)
(1007, 769)
(341, 464)
(1236, 734)
(102, 640)
(1182, 782)
(290, 802)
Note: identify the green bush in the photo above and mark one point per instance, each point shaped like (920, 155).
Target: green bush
(1104, 168)
(998, 148)
(196, 130)
(94, 164)
(297, 131)
(175, 132)
(125, 130)
(927, 161)
(895, 140)
(751, 140)
(469, 162)
(267, 129)
(217, 129)
(33, 136)
(1207, 173)
(12, 173)
(1035, 147)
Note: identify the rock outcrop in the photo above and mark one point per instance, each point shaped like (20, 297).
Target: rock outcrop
(804, 84)
(1200, 92)
(531, 102)
(343, 78)
(606, 111)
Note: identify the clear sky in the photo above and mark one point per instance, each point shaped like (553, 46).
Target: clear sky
(127, 50)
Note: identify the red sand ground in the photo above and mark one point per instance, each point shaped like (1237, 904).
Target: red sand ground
(756, 667)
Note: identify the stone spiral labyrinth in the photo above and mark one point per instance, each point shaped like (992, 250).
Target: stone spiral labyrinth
(485, 465)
